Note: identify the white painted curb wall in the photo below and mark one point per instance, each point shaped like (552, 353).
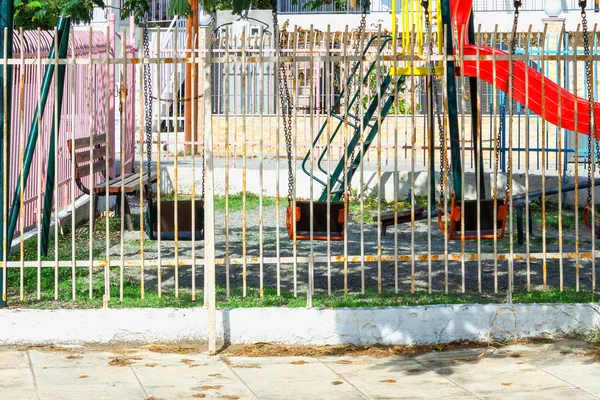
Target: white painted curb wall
(361, 326)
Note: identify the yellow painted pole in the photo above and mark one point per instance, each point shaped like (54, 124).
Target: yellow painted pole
(394, 24)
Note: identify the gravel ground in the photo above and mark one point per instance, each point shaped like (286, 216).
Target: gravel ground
(230, 242)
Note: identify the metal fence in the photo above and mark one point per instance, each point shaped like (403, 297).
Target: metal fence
(241, 158)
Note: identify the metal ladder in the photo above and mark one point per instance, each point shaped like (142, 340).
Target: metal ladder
(334, 184)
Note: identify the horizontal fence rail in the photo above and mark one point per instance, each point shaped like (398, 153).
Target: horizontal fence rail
(205, 175)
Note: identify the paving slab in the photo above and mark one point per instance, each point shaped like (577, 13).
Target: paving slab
(545, 371)
(13, 359)
(17, 378)
(396, 377)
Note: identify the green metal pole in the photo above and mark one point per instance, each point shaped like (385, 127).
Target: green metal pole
(452, 103)
(49, 193)
(431, 116)
(475, 112)
(6, 21)
(34, 131)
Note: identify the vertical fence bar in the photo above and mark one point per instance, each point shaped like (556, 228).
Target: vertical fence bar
(544, 157)
(22, 146)
(576, 38)
(5, 112)
(559, 156)
(527, 161)
(209, 204)
(159, 177)
(227, 152)
(244, 109)
(72, 166)
(261, 156)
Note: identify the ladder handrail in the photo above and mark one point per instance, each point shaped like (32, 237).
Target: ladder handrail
(387, 39)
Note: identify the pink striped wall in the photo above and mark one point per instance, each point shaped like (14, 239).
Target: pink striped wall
(84, 112)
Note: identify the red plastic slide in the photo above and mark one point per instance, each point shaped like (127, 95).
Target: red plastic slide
(543, 96)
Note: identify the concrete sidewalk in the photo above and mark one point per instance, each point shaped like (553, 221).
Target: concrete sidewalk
(556, 370)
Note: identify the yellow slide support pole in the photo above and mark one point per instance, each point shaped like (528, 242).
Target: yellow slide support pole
(394, 24)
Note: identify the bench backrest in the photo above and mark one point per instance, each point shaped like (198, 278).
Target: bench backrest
(88, 162)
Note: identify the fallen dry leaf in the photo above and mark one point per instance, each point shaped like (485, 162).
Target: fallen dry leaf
(151, 365)
(214, 374)
(506, 383)
(335, 383)
(299, 362)
(186, 361)
(83, 376)
(73, 357)
(213, 387)
(414, 370)
(154, 398)
(229, 397)
(520, 363)
(122, 361)
(388, 381)
(195, 365)
(199, 395)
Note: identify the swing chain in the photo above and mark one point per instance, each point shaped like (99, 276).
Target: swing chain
(438, 111)
(286, 109)
(148, 108)
(513, 48)
(588, 76)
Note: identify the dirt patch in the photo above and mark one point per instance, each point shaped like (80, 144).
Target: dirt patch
(173, 349)
(376, 351)
(245, 366)
(49, 347)
(122, 361)
(348, 362)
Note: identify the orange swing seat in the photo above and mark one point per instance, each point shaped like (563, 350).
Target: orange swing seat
(301, 225)
(488, 227)
(587, 212)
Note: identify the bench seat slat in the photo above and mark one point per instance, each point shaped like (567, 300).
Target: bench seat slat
(99, 166)
(82, 143)
(130, 183)
(84, 156)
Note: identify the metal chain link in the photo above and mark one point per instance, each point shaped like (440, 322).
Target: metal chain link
(588, 77)
(508, 87)
(286, 108)
(148, 109)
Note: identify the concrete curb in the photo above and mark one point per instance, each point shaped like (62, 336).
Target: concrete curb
(361, 326)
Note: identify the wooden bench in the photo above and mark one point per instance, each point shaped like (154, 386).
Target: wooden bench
(90, 162)
(401, 217)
